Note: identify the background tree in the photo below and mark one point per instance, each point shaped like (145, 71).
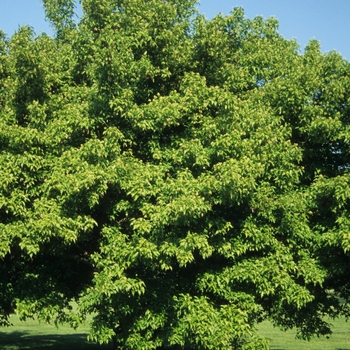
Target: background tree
(179, 178)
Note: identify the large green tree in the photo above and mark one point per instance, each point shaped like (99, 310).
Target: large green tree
(180, 179)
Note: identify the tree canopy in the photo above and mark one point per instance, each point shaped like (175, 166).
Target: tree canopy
(180, 179)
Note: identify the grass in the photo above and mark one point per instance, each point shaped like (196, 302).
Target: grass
(339, 340)
(33, 335)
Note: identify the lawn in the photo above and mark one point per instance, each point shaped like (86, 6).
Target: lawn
(32, 335)
(339, 340)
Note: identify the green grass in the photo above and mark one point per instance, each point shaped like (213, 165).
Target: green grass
(33, 335)
(339, 340)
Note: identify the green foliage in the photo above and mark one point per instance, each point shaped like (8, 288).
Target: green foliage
(181, 179)
(60, 14)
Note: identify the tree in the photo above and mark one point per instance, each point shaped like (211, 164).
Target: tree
(180, 179)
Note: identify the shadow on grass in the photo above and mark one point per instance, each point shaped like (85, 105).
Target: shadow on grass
(26, 340)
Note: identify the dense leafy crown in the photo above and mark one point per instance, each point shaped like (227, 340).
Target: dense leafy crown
(179, 178)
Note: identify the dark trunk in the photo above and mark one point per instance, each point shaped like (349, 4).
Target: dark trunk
(114, 343)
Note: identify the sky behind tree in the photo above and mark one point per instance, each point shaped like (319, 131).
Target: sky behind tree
(324, 20)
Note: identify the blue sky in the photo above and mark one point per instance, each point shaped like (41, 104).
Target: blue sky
(325, 20)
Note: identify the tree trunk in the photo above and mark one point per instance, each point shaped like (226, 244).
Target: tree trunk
(114, 343)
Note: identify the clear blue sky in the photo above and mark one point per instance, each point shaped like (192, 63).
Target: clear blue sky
(325, 20)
